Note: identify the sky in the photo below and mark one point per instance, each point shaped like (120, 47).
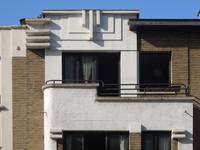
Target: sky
(13, 10)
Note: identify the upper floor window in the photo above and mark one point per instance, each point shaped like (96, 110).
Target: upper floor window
(156, 140)
(80, 67)
(91, 67)
(154, 69)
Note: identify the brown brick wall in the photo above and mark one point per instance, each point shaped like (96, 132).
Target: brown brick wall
(165, 41)
(174, 144)
(195, 84)
(184, 70)
(135, 141)
(59, 144)
(28, 78)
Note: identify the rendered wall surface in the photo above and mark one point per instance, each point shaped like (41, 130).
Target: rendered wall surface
(112, 34)
(12, 44)
(62, 106)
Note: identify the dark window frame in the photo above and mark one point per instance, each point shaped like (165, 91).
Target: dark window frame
(155, 134)
(168, 54)
(105, 133)
(97, 55)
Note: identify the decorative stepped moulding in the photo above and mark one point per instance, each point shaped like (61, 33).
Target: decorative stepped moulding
(178, 134)
(91, 25)
(38, 39)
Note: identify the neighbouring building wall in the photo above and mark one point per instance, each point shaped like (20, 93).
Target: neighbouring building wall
(28, 78)
(185, 62)
(12, 41)
(168, 41)
(195, 83)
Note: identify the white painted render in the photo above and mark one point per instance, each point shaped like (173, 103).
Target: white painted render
(71, 32)
(12, 44)
(76, 108)
(53, 65)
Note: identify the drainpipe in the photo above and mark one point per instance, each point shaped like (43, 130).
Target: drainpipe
(188, 51)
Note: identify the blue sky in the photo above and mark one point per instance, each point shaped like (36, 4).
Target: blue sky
(13, 10)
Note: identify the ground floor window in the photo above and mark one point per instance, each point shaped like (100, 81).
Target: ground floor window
(156, 140)
(96, 141)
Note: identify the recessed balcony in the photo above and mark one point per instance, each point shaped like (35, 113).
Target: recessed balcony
(122, 90)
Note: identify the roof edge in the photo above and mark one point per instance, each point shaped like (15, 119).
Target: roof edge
(13, 27)
(70, 11)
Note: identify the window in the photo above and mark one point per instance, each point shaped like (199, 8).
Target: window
(91, 66)
(95, 141)
(80, 68)
(155, 69)
(155, 140)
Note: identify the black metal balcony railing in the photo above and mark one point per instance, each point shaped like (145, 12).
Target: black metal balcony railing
(130, 89)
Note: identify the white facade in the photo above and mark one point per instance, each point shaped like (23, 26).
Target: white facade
(12, 44)
(77, 107)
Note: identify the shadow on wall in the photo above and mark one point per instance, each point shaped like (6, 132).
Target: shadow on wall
(169, 39)
(188, 139)
(3, 108)
(196, 127)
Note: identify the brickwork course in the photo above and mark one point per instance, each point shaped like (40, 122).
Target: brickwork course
(135, 141)
(28, 78)
(185, 59)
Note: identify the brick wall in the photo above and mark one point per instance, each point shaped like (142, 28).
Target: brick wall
(195, 84)
(185, 67)
(174, 144)
(135, 141)
(165, 41)
(28, 78)
(59, 144)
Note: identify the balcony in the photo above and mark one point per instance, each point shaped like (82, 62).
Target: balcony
(88, 105)
(126, 90)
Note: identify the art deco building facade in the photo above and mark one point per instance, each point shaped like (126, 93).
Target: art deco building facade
(100, 79)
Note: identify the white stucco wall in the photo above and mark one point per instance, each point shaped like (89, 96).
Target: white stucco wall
(12, 44)
(77, 109)
(112, 35)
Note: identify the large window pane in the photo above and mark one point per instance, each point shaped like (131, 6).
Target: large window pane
(117, 142)
(74, 142)
(164, 142)
(148, 142)
(95, 141)
(154, 68)
(156, 140)
(78, 67)
(91, 66)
